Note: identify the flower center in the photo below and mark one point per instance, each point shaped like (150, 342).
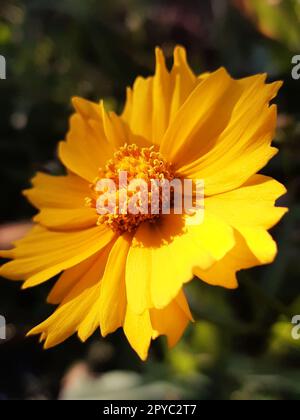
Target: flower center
(123, 193)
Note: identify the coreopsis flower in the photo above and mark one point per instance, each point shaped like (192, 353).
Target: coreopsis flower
(127, 270)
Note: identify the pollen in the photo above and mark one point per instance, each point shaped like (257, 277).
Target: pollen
(123, 208)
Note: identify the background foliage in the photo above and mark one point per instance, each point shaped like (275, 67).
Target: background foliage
(241, 345)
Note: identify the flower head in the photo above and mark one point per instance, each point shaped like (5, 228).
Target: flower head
(121, 268)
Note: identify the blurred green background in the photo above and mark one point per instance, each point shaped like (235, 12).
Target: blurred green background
(241, 345)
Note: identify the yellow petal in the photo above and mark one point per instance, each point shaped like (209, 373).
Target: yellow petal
(243, 147)
(67, 219)
(173, 254)
(139, 332)
(213, 234)
(113, 294)
(170, 321)
(184, 80)
(139, 118)
(183, 304)
(251, 210)
(147, 109)
(202, 117)
(68, 280)
(63, 192)
(261, 243)
(138, 277)
(223, 272)
(87, 109)
(90, 323)
(161, 260)
(86, 148)
(161, 98)
(153, 102)
(114, 128)
(75, 307)
(173, 261)
(127, 111)
(253, 204)
(61, 200)
(42, 254)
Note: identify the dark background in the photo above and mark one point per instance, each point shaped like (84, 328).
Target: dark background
(241, 346)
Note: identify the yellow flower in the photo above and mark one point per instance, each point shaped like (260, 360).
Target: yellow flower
(129, 270)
